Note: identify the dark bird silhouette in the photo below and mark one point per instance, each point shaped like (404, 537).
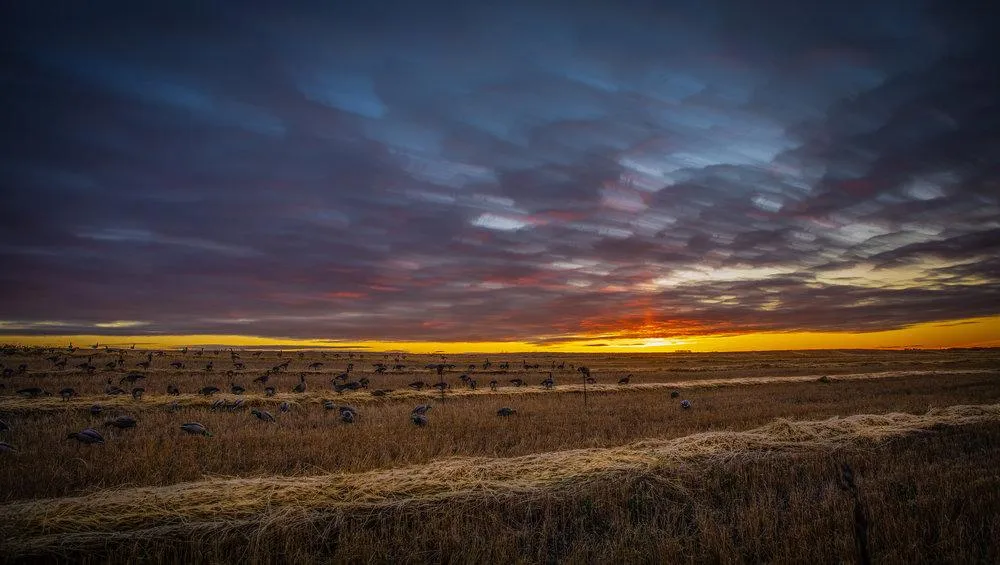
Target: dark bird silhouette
(549, 382)
(137, 392)
(132, 378)
(441, 386)
(301, 387)
(177, 365)
(269, 391)
(122, 422)
(208, 390)
(353, 385)
(421, 409)
(381, 391)
(7, 448)
(262, 379)
(675, 393)
(172, 390)
(418, 419)
(236, 389)
(67, 393)
(417, 385)
(348, 414)
(315, 365)
(493, 385)
(96, 410)
(112, 390)
(685, 404)
(195, 428)
(285, 407)
(262, 415)
(329, 404)
(506, 411)
(625, 380)
(33, 392)
(87, 436)
(516, 382)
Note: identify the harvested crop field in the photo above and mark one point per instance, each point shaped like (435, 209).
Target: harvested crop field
(604, 470)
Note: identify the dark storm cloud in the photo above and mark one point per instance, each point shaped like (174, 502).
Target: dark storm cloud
(531, 172)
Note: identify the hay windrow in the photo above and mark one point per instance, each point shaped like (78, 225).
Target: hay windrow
(159, 401)
(211, 504)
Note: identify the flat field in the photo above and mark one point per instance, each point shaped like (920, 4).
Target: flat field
(613, 469)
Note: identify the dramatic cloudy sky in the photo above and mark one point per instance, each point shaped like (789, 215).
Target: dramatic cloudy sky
(530, 171)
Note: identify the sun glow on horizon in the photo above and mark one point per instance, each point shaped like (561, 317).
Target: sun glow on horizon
(973, 332)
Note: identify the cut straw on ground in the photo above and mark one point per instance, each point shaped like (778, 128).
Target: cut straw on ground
(223, 503)
(53, 403)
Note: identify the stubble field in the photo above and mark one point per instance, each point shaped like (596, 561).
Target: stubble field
(751, 471)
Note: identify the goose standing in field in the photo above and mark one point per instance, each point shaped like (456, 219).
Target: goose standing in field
(96, 410)
(269, 391)
(236, 389)
(285, 407)
(625, 380)
(301, 387)
(262, 415)
(137, 392)
(195, 428)
(208, 390)
(506, 412)
(418, 419)
(329, 404)
(172, 390)
(87, 436)
(685, 404)
(122, 422)
(67, 393)
(493, 385)
(421, 409)
(549, 383)
(675, 393)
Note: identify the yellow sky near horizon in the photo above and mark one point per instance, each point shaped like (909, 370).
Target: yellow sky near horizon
(972, 332)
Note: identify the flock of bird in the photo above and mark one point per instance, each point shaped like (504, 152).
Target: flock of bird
(340, 384)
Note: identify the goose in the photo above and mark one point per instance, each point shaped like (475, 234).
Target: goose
(503, 412)
(685, 404)
(285, 407)
(195, 428)
(96, 410)
(137, 392)
(33, 392)
(301, 387)
(348, 414)
(625, 380)
(172, 390)
(208, 390)
(236, 389)
(675, 393)
(417, 385)
(67, 393)
(4, 426)
(262, 415)
(122, 422)
(7, 448)
(269, 391)
(87, 436)
(132, 378)
(418, 419)
(112, 390)
(421, 409)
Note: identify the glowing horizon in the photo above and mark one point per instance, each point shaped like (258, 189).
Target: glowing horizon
(974, 332)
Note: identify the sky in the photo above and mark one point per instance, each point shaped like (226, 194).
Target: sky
(528, 175)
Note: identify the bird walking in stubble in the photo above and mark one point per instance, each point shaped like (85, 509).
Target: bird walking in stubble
(262, 415)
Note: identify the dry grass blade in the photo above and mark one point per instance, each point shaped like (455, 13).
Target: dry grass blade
(134, 513)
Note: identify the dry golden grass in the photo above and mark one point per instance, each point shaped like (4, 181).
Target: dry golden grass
(267, 492)
(220, 505)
